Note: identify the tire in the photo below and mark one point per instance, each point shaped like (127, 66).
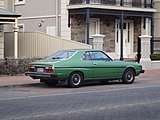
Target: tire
(75, 80)
(50, 83)
(128, 76)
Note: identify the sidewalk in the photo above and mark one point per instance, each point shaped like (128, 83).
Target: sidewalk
(17, 80)
(155, 73)
(25, 80)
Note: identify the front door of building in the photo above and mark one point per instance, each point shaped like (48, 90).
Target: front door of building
(127, 39)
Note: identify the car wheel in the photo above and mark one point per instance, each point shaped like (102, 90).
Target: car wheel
(50, 83)
(75, 80)
(128, 76)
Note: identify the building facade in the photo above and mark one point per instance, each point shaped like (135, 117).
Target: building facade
(49, 17)
(9, 18)
(38, 15)
(121, 21)
(156, 43)
(157, 18)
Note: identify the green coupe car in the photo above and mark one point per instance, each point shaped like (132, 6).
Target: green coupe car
(77, 66)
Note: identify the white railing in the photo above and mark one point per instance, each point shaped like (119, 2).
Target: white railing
(37, 44)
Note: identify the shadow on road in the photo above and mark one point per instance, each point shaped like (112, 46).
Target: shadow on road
(86, 84)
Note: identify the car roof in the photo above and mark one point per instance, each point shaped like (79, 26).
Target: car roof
(86, 50)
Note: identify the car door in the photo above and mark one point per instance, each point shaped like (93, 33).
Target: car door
(87, 66)
(103, 66)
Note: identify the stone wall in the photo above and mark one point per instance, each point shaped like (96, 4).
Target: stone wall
(107, 28)
(136, 32)
(78, 28)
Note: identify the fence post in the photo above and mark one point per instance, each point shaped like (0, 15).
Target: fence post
(98, 41)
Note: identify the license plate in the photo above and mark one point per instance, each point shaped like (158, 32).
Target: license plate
(40, 69)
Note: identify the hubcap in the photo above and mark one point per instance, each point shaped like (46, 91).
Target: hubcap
(76, 79)
(129, 76)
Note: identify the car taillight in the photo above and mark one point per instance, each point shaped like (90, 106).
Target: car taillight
(49, 69)
(31, 68)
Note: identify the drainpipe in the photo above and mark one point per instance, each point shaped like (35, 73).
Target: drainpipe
(13, 5)
(16, 39)
(57, 6)
(15, 34)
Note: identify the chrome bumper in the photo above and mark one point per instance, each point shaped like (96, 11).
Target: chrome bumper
(38, 75)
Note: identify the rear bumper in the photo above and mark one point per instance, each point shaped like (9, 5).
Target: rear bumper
(38, 75)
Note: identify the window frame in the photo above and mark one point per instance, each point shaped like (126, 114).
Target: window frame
(96, 59)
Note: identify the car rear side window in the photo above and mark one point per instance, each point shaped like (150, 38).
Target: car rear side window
(62, 54)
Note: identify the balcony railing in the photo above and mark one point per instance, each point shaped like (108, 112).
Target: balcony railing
(126, 3)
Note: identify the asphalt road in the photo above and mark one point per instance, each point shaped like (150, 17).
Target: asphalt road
(114, 101)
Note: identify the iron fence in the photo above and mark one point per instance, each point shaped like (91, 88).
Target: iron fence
(156, 45)
(134, 3)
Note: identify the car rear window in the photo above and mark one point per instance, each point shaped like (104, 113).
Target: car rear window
(62, 54)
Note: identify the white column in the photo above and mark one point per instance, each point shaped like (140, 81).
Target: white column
(145, 51)
(16, 39)
(98, 41)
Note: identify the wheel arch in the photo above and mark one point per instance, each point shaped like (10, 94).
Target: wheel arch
(130, 67)
(129, 75)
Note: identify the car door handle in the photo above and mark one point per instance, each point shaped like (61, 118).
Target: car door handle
(94, 64)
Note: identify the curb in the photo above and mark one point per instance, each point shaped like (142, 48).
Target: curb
(39, 83)
(20, 85)
(23, 81)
